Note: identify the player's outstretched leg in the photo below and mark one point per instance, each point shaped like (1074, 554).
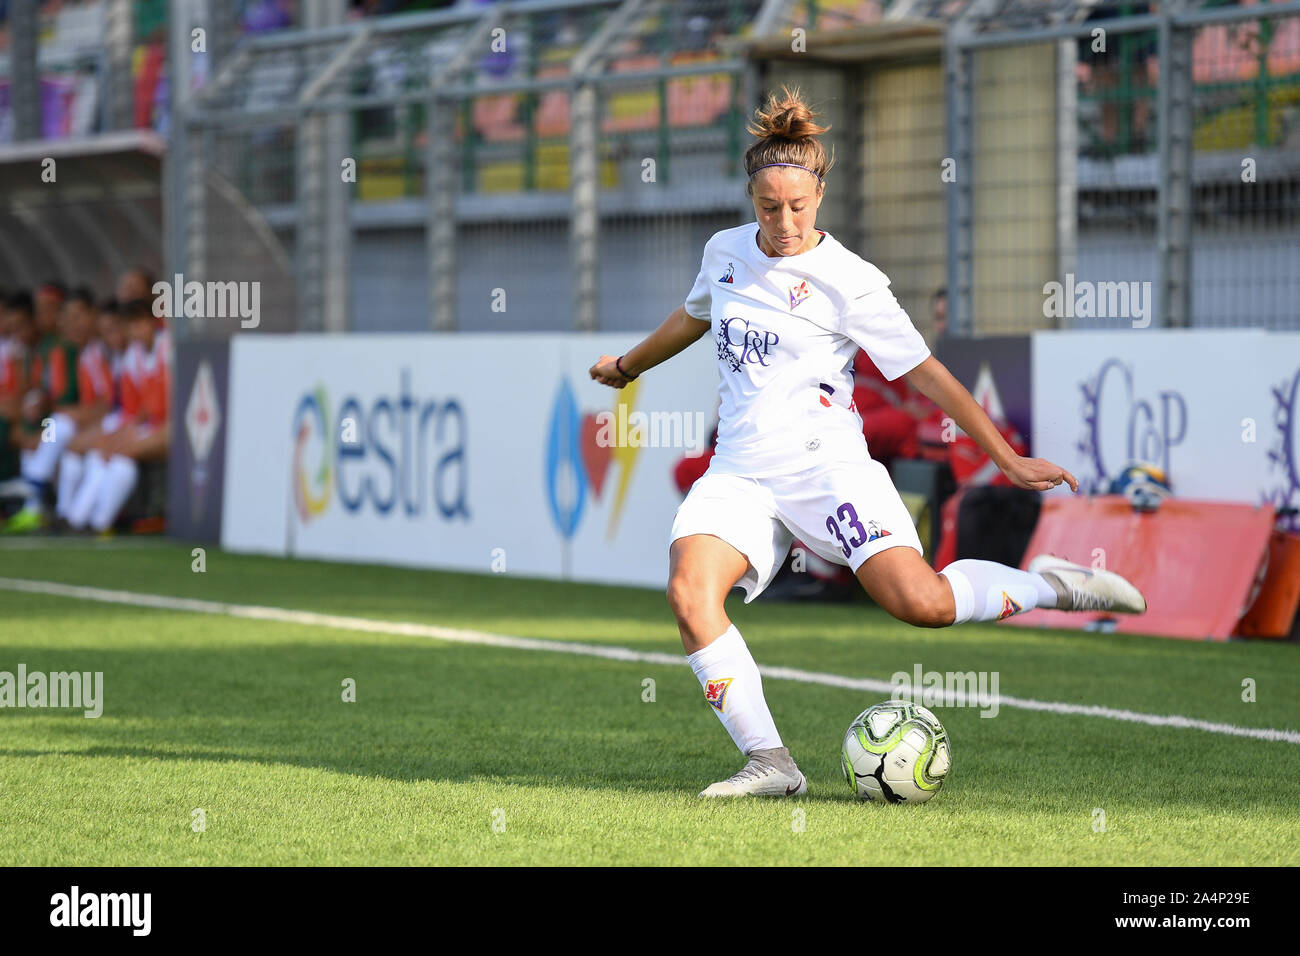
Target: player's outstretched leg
(901, 582)
(703, 569)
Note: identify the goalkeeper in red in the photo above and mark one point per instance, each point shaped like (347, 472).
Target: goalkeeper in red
(787, 308)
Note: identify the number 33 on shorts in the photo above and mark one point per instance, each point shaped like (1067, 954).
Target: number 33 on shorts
(846, 517)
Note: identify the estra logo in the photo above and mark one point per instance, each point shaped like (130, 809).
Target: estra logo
(383, 452)
(313, 455)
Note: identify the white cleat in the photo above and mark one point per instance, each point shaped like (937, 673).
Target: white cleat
(1079, 588)
(769, 773)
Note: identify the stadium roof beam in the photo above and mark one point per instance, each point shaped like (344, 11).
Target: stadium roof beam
(17, 257)
(13, 264)
(104, 245)
(36, 228)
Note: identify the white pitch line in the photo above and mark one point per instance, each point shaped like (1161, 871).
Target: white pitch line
(461, 636)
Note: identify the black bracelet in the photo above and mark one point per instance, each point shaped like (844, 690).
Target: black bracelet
(618, 364)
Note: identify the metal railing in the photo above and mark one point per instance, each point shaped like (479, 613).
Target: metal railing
(558, 164)
(1150, 153)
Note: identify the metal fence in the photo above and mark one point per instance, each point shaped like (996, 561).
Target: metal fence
(539, 166)
(1138, 167)
(558, 164)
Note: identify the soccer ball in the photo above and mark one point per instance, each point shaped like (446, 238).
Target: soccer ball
(896, 752)
(1146, 486)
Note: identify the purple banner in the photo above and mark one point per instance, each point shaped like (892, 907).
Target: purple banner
(996, 370)
(197, 466)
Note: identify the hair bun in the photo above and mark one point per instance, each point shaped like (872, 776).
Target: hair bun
(786, 134)
(786, 116)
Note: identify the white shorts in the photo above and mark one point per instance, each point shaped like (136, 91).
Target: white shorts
(844, 511)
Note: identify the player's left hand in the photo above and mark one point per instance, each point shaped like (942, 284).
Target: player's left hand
(1038, 474)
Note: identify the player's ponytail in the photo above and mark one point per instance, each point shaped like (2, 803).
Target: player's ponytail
(786, 131)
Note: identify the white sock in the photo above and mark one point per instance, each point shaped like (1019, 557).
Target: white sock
(34, 488)
(733, 687)
(88, 493)
(119, 481)
(71, 468)
(988, 591)
(39, 464)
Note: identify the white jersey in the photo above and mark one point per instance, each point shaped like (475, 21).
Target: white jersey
(786, 330)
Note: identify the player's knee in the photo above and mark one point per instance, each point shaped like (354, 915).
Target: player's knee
(694, 599)
(683, 597)
(924, 607)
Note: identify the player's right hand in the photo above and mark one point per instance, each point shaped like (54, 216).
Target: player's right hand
(607, 373)
(1038, 474)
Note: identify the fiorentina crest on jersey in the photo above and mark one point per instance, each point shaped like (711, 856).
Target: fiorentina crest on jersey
(799, 292)
(715, 692)
(1009, 606)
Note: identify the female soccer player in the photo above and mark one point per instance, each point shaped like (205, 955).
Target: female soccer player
(788, 308)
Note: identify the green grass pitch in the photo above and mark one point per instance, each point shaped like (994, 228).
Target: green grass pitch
(461, 754)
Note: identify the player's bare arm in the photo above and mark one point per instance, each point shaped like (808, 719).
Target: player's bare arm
(678, 331)
(933, 380)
